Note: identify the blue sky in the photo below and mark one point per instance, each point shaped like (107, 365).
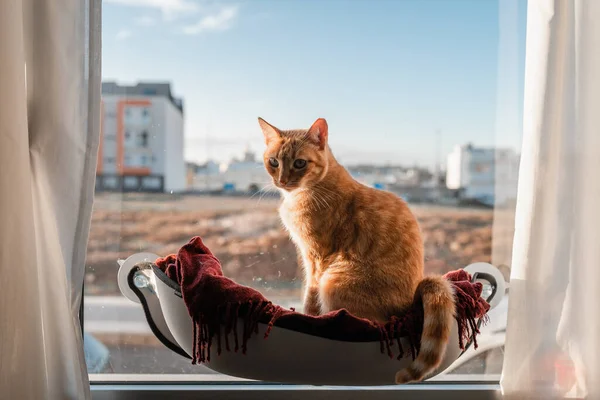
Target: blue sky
(386, 74)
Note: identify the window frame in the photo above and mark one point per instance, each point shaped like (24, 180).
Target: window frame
(263, 391)
(104, 389)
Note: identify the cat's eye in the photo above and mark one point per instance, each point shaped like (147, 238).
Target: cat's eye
(299, 163)
(273, 162)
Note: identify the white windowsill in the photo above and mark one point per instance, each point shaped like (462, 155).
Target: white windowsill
(215, 386)
(160, 391)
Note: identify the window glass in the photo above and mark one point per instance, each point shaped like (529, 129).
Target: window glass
(143, 139)
(485, 362)
(412, 91)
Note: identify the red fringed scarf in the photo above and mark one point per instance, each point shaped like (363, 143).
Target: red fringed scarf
(215, 303)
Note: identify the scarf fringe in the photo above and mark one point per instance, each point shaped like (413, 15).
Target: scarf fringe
(224, 323)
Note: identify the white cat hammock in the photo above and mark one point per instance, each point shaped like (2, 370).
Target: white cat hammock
(285, 355)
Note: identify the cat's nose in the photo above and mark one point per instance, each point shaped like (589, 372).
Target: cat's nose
(283, 182)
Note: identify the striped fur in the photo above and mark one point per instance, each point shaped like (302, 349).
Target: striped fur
(437, 297)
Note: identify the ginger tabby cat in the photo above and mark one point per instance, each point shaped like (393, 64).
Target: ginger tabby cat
(361, 247)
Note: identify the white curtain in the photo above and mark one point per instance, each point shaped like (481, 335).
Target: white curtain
(554, 311)
(49, 125)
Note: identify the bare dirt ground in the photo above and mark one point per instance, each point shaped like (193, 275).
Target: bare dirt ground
(246, 235)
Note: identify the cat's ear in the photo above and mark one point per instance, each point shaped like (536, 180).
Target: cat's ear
(318, 132)
(269, 130)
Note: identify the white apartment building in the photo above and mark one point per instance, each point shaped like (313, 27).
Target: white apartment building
(486, 174)
(247, 175)
(141, 142)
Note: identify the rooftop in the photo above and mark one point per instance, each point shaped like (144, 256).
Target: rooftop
(143, 89)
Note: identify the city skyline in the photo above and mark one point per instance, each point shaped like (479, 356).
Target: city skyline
(386, 75)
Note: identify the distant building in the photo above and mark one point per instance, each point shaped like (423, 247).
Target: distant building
(141, 143)
(488, 175)
(246, 175)
(204, 177)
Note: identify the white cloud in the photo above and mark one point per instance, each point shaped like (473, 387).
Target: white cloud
(220, 21)
(144, 20)
(169, 8)
(123, 34)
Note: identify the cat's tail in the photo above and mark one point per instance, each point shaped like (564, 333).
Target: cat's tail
(437, 296)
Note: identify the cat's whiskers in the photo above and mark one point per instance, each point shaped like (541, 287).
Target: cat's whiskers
(264, 185)
(329, 193)
(262, 192)
(323, 198)
(324, 195)
(321, 201)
